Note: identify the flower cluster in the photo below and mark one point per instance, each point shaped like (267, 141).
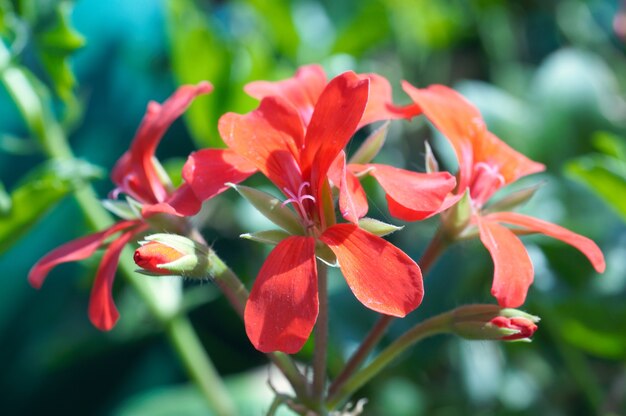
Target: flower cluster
(297, 138)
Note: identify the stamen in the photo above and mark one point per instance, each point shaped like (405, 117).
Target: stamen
(298, 201)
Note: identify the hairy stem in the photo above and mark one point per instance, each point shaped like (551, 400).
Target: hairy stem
(435, 325)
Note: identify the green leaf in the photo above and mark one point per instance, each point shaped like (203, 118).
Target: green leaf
(5, 201)
(56, 42)
(40, 191)
(604, 174)
(277, 16)
(198, 54)
(368, 29)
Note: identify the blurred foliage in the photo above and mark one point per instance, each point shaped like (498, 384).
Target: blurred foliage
(548, 76)
(40, 191)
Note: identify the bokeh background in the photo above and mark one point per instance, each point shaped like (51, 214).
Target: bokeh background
(549, 76)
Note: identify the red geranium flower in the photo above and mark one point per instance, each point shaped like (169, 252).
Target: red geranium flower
(401, 186)
(486, 164)
(138, 175)
(295, 146)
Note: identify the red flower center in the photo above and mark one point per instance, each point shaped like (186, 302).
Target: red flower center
(486, 180)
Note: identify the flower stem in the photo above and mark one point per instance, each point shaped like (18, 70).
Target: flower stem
(432, 252)
(198, 366)
(435, 325)
(321, 334)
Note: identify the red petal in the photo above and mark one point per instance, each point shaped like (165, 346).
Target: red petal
(380, 275)
(380, 102)
(411, 195)
(102, 311)
(206, 171)
(511, 164)
(270, 138)
(301, 91)
(283, 304)
(513, 270)
(583, 244)
(182, 203)
(456, 118)
(334, 121)
(352, 198)
(134, 173)
(75, 250)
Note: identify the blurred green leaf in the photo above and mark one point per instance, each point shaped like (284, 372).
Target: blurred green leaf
(56, 41)
(198, 54)
(368, 28)
(584, 324)
(32, 99)
(277, 16)
(250, 391)
(40, 190)
(604, 173)
(5, 201)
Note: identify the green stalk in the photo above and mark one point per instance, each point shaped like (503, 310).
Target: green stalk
(436, 325)
(321, 335)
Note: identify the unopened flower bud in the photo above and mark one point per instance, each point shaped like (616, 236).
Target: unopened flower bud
(489, 322)
(524, 327)
(169, 254)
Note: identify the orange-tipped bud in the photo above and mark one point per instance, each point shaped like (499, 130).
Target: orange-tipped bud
(170, 254)
(154, 255)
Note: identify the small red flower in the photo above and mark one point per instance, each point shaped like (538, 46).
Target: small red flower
(295, 146)
(487, 164)
(137, 175)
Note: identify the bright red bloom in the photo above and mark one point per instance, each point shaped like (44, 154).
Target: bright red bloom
(302, 93)
(295, 148)
(486, 164)
(137, 175)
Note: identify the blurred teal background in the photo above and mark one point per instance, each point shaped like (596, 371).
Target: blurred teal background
(549, 77)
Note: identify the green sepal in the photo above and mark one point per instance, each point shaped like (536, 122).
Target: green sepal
(325, 254)
(272, 237)
(458, 216)
(482, 331)
(516, 313)
(371, 146)
(513, 200)
(135, 206)
(121, 209)
(272, 208)
(377, 227)
(432, 166)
